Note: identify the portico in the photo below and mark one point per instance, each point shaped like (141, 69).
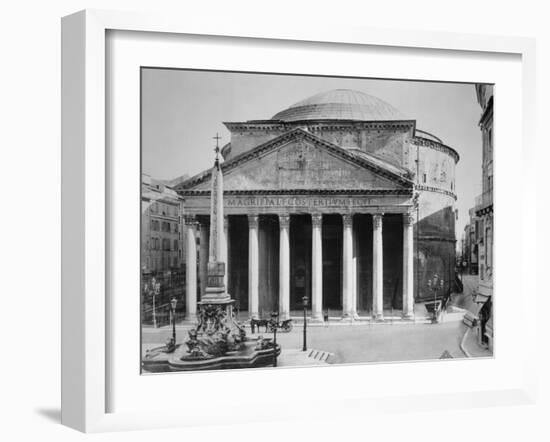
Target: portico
(344, 254)
(306, 217)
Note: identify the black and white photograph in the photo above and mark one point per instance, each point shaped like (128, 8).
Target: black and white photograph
(306, 221)
(294, 220)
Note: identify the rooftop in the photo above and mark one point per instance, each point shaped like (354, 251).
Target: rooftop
(341, 104)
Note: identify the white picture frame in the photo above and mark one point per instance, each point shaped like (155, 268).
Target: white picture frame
(85, 200)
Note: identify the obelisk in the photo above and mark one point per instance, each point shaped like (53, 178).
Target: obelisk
(216, 292)
(218, 340)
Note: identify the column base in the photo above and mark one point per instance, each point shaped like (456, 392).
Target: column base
(349, 317)
(408, 317)
(378, 317)
(284, 316)
(191, 317)
(317, 318)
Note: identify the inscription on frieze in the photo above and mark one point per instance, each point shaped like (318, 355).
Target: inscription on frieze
(300, 202)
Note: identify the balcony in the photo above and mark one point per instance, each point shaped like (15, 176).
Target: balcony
(484, 201)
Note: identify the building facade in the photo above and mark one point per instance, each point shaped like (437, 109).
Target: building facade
(470, 245)
(162, 244)
(339, 198)
(162, 250)
(484, 212)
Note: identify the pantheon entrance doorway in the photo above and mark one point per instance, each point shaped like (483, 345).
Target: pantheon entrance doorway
(300, 260)
(332, 236)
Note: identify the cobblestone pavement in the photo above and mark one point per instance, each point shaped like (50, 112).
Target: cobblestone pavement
(361, 343)
(465, 299)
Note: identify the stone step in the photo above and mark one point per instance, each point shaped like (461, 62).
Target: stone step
(319, 355)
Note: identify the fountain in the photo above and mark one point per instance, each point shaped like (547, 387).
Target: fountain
(218, 340)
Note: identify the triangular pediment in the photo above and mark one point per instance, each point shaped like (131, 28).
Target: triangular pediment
(299, 160)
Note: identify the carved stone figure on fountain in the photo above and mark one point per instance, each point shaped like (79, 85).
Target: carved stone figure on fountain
(218, 340)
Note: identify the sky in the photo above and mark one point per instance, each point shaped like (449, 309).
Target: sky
(182, 111)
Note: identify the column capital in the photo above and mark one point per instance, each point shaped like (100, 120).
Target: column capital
(377, 220)
(347, 219)
(253, 219)
(316, 219)
(190, 220)
(284, 220)
(408, 219)
(204, 223)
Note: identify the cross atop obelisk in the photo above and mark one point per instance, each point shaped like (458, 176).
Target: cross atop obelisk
(215, 290)
(217, 138)
(217, 150)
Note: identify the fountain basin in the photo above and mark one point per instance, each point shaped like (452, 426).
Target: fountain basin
(158, 360)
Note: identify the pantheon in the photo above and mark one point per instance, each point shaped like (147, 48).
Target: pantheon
(339, 198)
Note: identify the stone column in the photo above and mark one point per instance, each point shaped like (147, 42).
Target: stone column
(203, 256)
(253, 267)
(377, 268)
(316, 267)
(408, 267)
(347, 268)
(354, 269)
(284, 267)
(191, 269)
(225, 249)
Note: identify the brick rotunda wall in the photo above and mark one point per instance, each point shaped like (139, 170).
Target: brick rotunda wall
(435, 228)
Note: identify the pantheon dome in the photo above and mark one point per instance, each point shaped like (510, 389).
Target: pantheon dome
(340, 104)
(336, 160)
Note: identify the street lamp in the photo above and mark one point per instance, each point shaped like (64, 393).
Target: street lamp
(155, 291)
(274, 326)
(435, 284)
(304, 302)
(173, 304)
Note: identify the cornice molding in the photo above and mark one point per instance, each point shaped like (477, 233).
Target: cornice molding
(420, 141)
(436, 190)
(318, 125)
(435, 238)
(305, 192)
